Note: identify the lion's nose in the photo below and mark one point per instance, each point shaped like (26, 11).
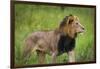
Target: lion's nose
(83, 28)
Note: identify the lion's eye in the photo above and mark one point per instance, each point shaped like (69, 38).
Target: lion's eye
(76, 23)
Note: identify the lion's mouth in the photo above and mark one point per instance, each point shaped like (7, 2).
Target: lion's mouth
(81, 31)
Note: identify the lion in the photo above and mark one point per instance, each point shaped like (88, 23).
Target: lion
(55, 42)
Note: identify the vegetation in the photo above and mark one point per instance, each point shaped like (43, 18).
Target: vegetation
(30, 18)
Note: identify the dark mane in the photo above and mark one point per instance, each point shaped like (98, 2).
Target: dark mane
(63, 21)
(65, 44)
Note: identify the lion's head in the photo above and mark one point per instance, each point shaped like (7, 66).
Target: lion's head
(71, 26)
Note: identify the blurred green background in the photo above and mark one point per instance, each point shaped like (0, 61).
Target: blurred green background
(30, 18)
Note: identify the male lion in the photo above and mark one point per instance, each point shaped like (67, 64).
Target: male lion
(55, 42)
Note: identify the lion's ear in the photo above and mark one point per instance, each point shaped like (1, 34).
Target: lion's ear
(70, 19)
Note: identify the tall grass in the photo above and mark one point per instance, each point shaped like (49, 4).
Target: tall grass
(31, 18)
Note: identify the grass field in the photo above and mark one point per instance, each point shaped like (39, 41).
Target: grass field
(30, 18)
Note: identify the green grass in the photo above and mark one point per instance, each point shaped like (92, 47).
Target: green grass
(30, 18)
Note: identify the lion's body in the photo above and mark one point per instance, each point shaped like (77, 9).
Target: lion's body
(51, 41)
(55, 42)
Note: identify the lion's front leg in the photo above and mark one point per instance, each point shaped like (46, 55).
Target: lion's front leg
(71, 56)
